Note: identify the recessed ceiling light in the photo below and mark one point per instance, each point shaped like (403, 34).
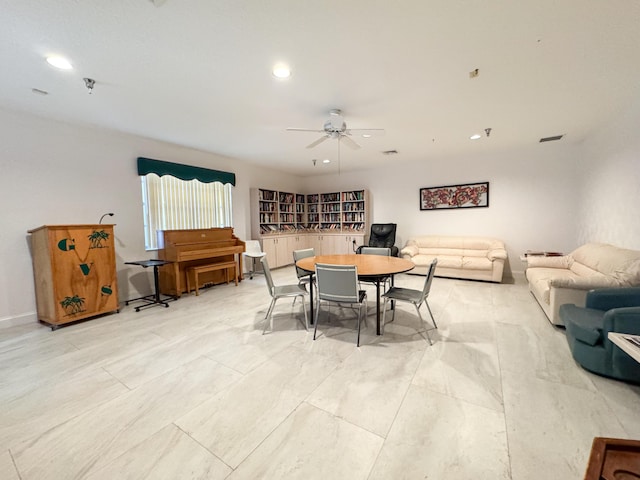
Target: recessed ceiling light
(475, 136)
(366, 135)
(281, 71)
(59, 62)
(326, 160)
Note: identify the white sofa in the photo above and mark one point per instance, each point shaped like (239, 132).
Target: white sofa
(473, 258)
(567, 279)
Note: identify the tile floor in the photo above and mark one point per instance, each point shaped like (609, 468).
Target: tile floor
(195, 391)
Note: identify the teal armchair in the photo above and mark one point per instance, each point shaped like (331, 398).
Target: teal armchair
(606, 310)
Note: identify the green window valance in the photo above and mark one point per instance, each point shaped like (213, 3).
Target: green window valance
(184, 172)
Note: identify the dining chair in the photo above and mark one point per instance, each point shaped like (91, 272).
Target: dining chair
(281, 291)
(415, 297)
(304, 278)
(253, 252)
(339, 284)
(382, 251)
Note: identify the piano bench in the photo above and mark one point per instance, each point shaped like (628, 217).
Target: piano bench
(197, 270)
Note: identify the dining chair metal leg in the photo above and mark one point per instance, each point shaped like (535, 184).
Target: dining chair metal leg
(306, 318)
(384, 315)
(426, 330)
(270, 309)
(430, 313)
(315, 327)
(359, 315)
(363, 304)
(268, 319)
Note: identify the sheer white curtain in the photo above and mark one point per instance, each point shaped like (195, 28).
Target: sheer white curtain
(170, 203)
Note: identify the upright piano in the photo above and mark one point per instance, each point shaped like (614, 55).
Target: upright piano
(188, 248)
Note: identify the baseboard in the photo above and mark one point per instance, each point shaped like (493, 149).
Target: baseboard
(18, 320)
(518, 277)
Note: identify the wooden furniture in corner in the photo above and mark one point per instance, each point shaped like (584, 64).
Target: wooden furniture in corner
(74, 268)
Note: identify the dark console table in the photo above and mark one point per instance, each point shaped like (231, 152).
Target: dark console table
(154, 299)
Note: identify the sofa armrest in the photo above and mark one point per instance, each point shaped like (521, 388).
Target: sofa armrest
(549, 262)
(410, 250)
(623, 320)
(608, 298)
(497, 254)
(582, 283)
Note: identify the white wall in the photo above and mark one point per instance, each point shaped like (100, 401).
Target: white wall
(549, 196)
(611, 186)
(532, 197)
(54, 173)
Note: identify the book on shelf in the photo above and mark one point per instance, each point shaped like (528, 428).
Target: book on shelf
(268, 195)
(330, 197)
(355, 195)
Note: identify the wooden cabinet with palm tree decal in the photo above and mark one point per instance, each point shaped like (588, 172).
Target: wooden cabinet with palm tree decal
(74, 270)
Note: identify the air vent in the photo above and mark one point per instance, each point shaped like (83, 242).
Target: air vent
(551, 139)
(390, 152)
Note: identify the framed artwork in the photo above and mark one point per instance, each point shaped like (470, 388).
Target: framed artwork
(468, 195)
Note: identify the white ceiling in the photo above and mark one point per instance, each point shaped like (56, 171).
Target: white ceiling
(198, 72)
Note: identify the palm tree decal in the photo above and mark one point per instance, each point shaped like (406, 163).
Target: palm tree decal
(96, 238)
(72, 305)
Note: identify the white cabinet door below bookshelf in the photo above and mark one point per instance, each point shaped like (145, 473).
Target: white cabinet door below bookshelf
(269, 247)
(313, 241)
(298, 242)
(343, 244)
(279, 249)
(283, 251)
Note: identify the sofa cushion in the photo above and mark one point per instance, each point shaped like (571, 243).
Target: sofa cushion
(564, 261)
(476, 263)
(585, 324)
(621, 264)
(444, 261)
(584, 271)
(456, 242)
(540, 280)
(410, 250)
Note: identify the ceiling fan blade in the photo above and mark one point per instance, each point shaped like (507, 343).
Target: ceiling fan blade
(318, 142)
(374, 132)
(303, 130)
(349, 141)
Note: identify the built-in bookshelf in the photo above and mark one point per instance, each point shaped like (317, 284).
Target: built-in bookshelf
(301, 218)
(289, 212)
(353, 208)
(286, 209)
(330, 211)
(268, 211)
(313, 211)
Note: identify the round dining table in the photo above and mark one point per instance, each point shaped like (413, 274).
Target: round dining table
(375, 268)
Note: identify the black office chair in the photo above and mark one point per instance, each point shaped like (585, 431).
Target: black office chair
(382, 235)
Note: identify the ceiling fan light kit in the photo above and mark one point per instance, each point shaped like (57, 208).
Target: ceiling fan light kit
(336, 127)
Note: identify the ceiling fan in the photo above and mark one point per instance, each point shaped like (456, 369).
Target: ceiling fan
(336, 127)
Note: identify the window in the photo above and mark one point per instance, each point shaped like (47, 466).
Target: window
(171, 203)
